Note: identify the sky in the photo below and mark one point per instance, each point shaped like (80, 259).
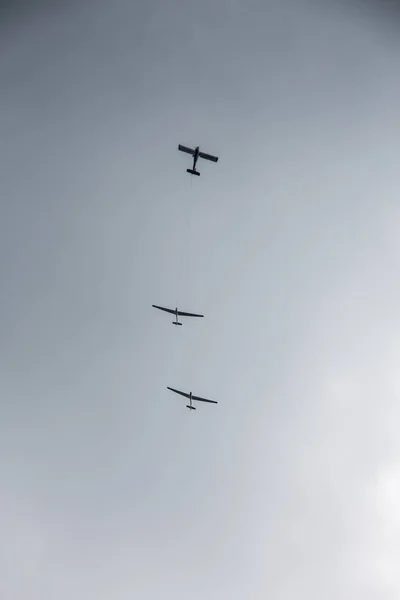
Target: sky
(289, 487)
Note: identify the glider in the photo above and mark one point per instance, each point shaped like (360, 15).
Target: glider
(196, 155)
(177, 313)
(191, 397)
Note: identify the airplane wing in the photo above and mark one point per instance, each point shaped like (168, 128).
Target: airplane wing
(168, 310)
(208, 156)
(203, 400)
(186, 314)
(185, 149)
(179, 392)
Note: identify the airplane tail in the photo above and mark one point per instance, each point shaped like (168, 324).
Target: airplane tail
(176, 323)
(190, 407)
(193, 171)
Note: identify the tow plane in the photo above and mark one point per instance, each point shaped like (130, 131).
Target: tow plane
(177, 313)
(191, 398)
(196, 155)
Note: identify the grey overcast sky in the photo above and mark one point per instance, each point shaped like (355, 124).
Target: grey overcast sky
(290, 246)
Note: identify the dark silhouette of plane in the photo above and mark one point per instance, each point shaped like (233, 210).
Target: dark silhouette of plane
(177, 313)
(196, 155)
(191, 397)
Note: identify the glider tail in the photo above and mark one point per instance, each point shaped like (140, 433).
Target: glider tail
(193, 171)
(176, 323)
(190, 407)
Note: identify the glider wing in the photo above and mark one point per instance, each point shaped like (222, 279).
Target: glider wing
(179, 392)
(186, 314)
(168, 310)
(203, 400)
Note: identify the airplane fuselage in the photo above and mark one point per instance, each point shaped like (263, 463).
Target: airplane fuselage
(195, 157)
